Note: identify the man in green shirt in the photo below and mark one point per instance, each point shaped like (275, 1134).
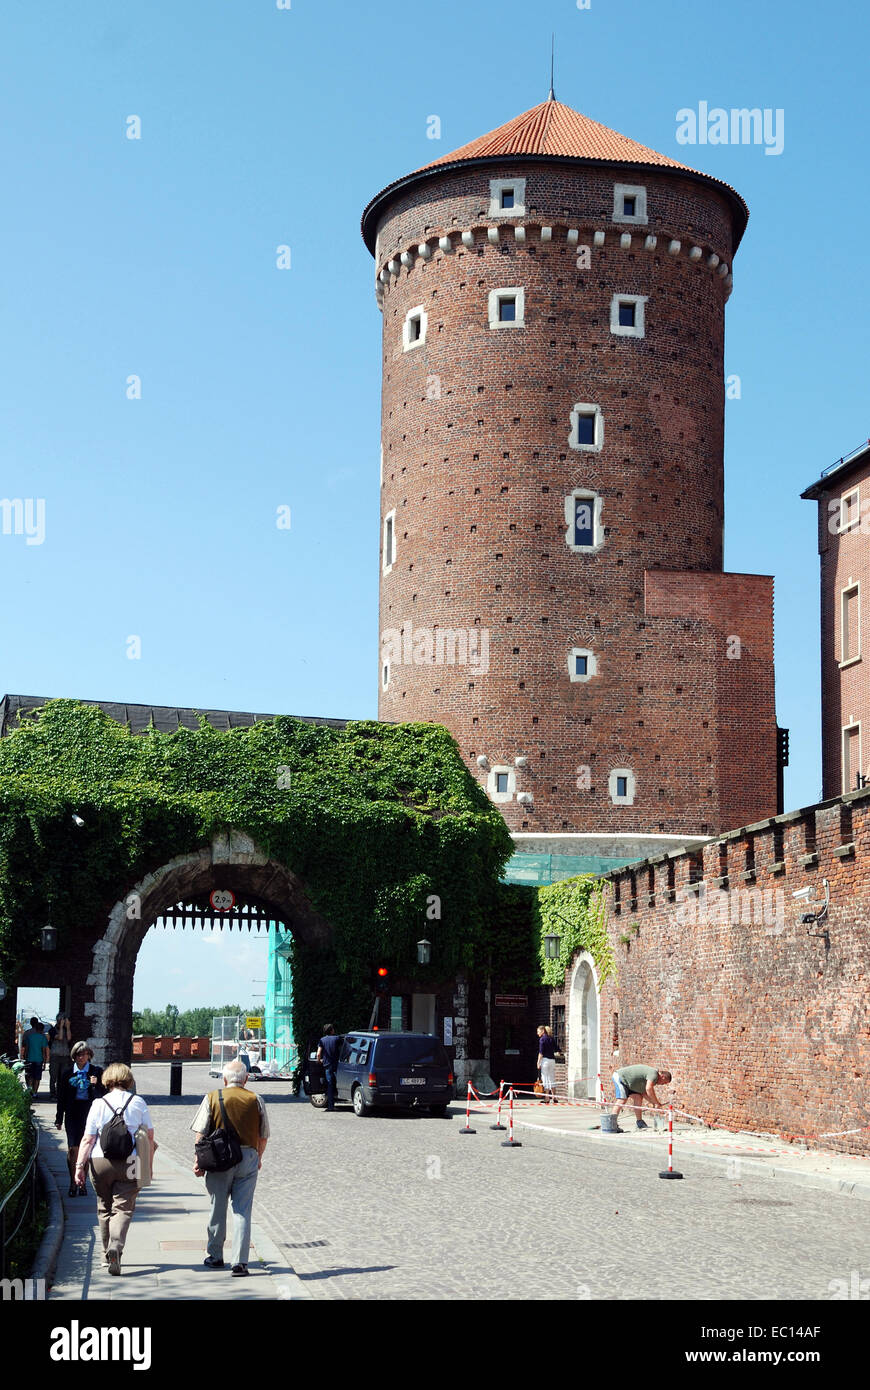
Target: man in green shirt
(635, 1085)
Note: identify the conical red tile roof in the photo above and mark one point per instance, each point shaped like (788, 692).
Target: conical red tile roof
(557, 131)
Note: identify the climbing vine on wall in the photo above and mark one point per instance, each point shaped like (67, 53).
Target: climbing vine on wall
(374, 819)
(575, 910)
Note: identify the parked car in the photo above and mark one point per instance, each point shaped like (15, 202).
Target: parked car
(399, 1070)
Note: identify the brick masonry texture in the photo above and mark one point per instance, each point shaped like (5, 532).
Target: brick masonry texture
(763, 1025)
(477, 467)
(844, 560)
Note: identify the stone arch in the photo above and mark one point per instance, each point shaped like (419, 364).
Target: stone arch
(232, 860)
(584, 1043)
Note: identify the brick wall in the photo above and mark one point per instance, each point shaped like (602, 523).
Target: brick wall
(477, 467)
(763, 1024)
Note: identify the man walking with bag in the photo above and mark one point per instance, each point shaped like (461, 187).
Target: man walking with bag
(241, 1115)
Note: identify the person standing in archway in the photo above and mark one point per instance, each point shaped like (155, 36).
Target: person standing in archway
(78, 1085)
(34, 1053)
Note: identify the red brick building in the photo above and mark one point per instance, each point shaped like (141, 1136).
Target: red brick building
(553, 298)
(843, 497)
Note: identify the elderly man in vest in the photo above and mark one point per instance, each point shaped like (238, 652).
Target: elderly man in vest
(247, 1114)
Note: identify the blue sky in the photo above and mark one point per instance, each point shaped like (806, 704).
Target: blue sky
(156, 257)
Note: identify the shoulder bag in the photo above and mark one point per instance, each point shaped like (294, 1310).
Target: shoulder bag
(222, 1148)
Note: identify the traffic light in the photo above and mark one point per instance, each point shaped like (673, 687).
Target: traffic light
(380, 979)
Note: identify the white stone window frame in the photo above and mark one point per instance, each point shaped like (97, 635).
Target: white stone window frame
(499, 186)
(389, 551)
(630, 190)
(417, 313)
(492, 783)
(496, 297)
(585, 409)
(591, 664)
(597, 529)
(846, 525)
(624, 330)
(845, 593)
(630, 783)
(845, 775)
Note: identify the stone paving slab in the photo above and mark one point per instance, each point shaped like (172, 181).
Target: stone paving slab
(166, 1242)
(842, 1173)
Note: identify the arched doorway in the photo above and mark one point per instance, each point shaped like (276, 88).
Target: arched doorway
(583, 1030)
(232, 861)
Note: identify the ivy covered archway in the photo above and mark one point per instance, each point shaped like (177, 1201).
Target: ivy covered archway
(367, 824)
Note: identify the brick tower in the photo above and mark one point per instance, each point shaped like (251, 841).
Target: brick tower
(553, 298)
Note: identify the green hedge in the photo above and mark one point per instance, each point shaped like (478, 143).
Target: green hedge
(16, 1141)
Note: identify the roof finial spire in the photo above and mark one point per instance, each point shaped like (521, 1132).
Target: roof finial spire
(552, 95)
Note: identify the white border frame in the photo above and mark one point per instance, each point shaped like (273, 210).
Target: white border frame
(587, 408)
(597, 529)
(847, 729)
(407, 341)
(497, 187)
(856, 521)
(516, 292)
(848, 589)
(390, 517)
(591, 663)
(622, 330)
(491, 783)
(629, 190)
(631, 783)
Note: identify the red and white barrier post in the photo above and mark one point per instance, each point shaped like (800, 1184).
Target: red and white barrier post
(670, 1172)
(599, 1089)
(511, 1142)
(498, 1124)
(467, 1127)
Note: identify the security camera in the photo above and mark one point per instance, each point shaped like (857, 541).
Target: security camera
(803, 893)
(77, 820)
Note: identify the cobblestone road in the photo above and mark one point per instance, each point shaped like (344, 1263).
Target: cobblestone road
(401, 1206)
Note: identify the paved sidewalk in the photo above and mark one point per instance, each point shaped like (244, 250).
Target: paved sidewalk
(692, 1143)
(165, 1244)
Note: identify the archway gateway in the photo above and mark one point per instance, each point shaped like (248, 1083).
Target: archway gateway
(360, 839)
(232, 863)
(584, 1050)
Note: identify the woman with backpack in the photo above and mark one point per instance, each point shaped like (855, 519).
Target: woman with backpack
(78, 1086)
(110, 1141)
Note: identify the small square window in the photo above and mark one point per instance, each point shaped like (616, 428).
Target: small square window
(581, 665)
(507, 197)
(629, 207)
(626, 315)
(622, 786)
(507, 307)
(629, 203)
(501, 782)
(415, 328)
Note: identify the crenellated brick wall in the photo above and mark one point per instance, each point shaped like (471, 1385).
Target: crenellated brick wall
(763, 1020)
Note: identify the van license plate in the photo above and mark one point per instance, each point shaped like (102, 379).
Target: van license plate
(413, 1080)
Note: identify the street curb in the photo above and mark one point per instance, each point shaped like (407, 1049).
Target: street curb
(841, 1186)
(45, 1261)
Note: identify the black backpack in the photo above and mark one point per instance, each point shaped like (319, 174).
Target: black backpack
(116, 1140)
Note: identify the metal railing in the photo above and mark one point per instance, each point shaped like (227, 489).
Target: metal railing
(28, 1204)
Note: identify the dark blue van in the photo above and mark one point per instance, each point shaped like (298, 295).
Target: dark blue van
(394, 1069)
